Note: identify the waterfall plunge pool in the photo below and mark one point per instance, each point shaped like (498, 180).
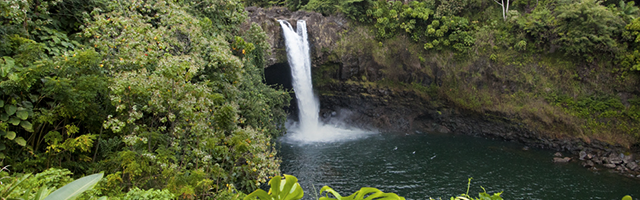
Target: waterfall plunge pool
(438, 165)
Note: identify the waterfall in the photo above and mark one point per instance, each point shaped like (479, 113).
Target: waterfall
(308, 128)
(300, 63)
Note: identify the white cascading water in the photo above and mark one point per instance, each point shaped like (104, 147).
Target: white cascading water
(308, 128)
(299, 61)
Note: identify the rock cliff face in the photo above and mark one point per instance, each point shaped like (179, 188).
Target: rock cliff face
(323, 31)
(340, 59)
(391, 87)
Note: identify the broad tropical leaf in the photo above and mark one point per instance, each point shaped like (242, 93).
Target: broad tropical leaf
(75, 188)
(42, 193)
(365, 193)
(329, 190)
(289, 189)
(258, 194)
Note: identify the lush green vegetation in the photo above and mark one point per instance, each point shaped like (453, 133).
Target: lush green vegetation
(164, 97)
(289, 189)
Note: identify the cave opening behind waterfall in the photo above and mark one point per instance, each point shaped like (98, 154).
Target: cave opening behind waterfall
(279, 75)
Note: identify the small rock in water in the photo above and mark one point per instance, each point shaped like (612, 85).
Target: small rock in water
(395, 148)
(632, 166)
(526, 148)
(414, 152)
(434, 156)
(557, 154)
(561, 160)
(583, 155)
(588, 164)
(611, 166)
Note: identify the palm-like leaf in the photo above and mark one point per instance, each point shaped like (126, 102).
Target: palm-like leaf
(365, 193)
(288, 189)
(75, 188)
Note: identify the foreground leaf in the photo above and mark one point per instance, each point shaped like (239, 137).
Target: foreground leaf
(365, 193)
(75, 188)
(288, 189)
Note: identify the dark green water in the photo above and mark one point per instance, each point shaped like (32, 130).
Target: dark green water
(441, 166)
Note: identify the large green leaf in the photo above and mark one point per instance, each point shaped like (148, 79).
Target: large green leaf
(14, 120)
(258, 194)
(365, 193)
(22, 114)
(75, 188)
(27, 125)
(1, 103)
(11, 135)
(627, 198)
(10, 109)
(4, 117)
(21, 141)
(288, 189)
(42, 193)
(329, 190)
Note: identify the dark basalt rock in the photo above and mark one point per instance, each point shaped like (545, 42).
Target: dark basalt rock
(323, 31)
(588, 164)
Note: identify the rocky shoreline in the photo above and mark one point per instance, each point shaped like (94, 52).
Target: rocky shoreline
(382, 109)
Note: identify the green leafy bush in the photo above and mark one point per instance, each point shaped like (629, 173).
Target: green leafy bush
(289, 189)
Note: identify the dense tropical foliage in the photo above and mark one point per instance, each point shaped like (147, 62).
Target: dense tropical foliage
(159, 95)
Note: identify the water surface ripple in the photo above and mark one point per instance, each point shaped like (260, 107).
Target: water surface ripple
(435, 165)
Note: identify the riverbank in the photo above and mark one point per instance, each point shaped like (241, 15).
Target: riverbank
(388, 110)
